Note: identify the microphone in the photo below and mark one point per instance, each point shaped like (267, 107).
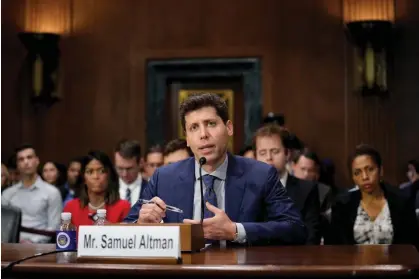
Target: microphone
(202, 162)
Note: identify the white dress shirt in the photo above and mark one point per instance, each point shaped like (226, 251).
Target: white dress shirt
(135, 188)
(219, 189)
(284, 179)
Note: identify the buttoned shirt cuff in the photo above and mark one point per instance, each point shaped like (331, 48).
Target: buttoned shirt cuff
(241, 234)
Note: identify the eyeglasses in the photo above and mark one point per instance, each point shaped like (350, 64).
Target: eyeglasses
(154, 165)
(130, 170)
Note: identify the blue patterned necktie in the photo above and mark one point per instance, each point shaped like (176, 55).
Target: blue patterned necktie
(209, 195)
(128, 195)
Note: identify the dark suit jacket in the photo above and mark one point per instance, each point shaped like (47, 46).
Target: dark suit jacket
(144, 185)
(325, 196)
(411, 192)
(253, 197)
(305, 195)
(344, 213)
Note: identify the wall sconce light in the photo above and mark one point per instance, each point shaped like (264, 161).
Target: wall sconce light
(369, 25)
(42, 61)
(46, 22)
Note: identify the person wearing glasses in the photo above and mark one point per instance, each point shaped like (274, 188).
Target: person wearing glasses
(127, 159)
(153, 159)
(176, 150)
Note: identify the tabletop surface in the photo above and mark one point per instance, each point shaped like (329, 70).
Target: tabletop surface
(361, 259)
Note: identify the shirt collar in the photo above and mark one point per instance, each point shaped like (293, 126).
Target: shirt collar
(284, 179)
(133, 185)
(355, 188)
(220, 172)
(36, 184)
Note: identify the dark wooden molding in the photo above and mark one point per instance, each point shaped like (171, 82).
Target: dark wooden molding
(160, 71)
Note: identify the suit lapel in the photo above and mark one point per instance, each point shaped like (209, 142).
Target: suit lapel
(235, 186)
(394, 206)
(291, 187)
(186, 182)
(353, 204)
(143, 186)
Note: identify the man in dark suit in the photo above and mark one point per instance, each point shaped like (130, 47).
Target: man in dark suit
(271, 147)
(411, 193)
(244, 201)
(306, 166)
(176, 150)
(127, 165)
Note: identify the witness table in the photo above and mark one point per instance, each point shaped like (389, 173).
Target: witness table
(283, 261)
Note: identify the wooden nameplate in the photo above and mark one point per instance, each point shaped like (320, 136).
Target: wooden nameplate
(191, 235)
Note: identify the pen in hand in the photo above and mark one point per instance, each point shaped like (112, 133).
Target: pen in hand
(168, 207)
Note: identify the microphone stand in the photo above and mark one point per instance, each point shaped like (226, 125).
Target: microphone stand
(202, 162)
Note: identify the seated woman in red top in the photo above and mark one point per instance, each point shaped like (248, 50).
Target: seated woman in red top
(99, 183)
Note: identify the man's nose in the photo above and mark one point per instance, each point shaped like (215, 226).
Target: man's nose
(204, 132)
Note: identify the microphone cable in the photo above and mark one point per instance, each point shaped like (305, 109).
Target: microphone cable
(9, 267)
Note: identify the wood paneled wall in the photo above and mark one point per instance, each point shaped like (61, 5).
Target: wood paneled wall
(406, 85)
(305, 60)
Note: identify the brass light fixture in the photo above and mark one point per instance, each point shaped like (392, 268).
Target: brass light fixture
(42, 61)
(369, 25)
(45, 22)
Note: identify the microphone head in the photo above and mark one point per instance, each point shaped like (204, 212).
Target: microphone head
(202, 161)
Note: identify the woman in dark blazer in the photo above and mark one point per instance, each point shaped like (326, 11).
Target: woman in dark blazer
(376, 213)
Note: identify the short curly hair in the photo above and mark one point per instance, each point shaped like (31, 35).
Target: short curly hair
(200, 100)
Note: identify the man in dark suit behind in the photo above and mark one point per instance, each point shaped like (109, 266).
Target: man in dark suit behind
(411, 193)
(271, 147)
(127, 158)
(245, 202)
(306, 166)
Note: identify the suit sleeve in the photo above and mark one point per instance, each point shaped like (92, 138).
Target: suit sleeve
(148, 193)
(283, 223)
(312, 216)
(327, 201)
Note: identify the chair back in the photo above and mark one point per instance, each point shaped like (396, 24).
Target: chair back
(11, 218)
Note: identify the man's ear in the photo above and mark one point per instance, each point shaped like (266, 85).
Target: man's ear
(230, 127)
